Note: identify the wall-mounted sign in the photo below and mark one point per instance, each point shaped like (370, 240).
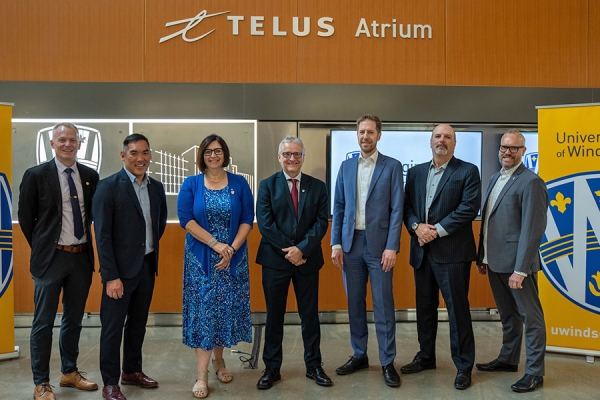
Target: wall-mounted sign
(254, 25)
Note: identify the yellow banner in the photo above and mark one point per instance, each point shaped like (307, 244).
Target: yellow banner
(7, 297)
(569, 147)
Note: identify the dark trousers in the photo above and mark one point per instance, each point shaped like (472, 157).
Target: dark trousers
(70, 273)
(133, 307)
(453, 281)
(275, 285)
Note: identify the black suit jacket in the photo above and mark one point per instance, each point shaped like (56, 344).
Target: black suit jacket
(120, 226)
(279, 227)
(455, 205)
(40, 211)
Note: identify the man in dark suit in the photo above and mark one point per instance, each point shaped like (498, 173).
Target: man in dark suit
(292, 215)
(55, 220)
(442, 200)
(365, 237)
(514, 221)
(130, 216)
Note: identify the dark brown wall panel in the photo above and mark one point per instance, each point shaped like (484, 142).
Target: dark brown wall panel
(594, 44)
(72, 40)
(517, 43)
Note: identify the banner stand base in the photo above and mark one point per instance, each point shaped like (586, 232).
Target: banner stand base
(589, 354)
(10, 356)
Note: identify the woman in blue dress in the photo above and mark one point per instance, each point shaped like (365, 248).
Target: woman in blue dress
(216, 208)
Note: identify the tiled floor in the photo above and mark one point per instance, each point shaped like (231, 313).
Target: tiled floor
(173, 365)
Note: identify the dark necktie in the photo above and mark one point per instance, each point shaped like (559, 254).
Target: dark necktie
(294, 193)
(77, 220)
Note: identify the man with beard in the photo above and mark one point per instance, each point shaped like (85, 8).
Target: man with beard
(365, 238)
(442, 200)
(513, 224)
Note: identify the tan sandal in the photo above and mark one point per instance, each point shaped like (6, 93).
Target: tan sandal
(225, 376)
(201, 385)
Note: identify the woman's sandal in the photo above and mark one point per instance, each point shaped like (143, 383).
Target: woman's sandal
(224, 377)
(200, 389)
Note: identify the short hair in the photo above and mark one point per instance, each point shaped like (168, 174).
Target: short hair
(370, 118)
(448, 125)
(66, 125)
(515, 131)
(134, 137)
(291, 139)
(204, 144)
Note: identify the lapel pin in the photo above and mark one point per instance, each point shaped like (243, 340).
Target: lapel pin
(87, 184)
(303, 190)
(232, 191)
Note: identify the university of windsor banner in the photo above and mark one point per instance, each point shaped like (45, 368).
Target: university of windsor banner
(569, 147)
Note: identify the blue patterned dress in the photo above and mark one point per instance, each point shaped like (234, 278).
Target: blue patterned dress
(216, 308)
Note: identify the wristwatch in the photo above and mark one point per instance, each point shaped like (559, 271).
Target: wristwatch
(414, 226)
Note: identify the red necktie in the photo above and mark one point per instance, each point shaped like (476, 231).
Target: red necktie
(294, 193)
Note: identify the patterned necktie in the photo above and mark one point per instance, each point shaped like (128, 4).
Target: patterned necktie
(294, 193)
(77, 220)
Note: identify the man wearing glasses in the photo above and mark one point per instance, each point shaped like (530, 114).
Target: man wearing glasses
(292, 215)
(514, 221)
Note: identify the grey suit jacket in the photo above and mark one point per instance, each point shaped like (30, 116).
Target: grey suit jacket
(516, 224)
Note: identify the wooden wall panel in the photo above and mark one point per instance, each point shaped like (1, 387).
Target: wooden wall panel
(345, 58)
(594, 44)
(517, 43)
(536, 43)
(72, 40)
(220, 56)
(168, 290)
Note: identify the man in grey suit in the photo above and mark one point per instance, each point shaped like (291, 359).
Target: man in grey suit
(514, 221)
(365, 238)
(442, 200)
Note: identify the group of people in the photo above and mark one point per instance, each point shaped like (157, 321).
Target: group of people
(437, 205)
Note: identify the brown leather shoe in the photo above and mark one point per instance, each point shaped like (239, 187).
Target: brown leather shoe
(113, 392)
(77, 381)
(138, 379)
(43, 391)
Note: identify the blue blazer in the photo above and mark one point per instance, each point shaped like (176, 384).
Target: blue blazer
(383, 209)
(191, 206)
(454, 206)
(120, 226)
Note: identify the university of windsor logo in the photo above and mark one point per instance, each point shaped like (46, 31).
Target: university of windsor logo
(6, 259)
(570, 243)
(531, 161)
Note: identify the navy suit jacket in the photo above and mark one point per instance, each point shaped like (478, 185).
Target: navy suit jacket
(120, 226)
(455, 205)
(279, 227)
(40, 211)
(383, 209)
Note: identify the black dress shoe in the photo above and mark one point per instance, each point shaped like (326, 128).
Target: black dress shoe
(269, 377)
(390, 376)
(496, 366)
(417, 365)
(353, 365)
(318, 375)
(463, 380)
(528, 383)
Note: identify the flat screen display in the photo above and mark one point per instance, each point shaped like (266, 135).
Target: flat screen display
(409, 147)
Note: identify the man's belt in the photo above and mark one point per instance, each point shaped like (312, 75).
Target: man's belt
(73, 249)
